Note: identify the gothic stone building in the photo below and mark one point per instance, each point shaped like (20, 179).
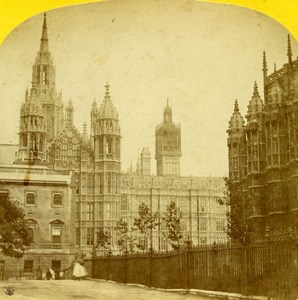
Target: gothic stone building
(102, 192)
(263, 153)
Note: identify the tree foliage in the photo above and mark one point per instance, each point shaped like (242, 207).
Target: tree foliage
(188, 245)
(146, 222)
(103, 239)
(238, 226)
(121, 232)
(124, 242)
(14, 232)
(173, 224)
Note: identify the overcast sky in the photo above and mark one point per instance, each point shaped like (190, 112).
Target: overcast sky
(202, 56)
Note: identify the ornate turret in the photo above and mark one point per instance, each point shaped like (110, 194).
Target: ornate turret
(255, 106)
(107, 109)
(32, 132)
(107, 163)
(236, 123)
(236, 144)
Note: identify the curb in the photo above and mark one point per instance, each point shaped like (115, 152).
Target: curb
(203, 293)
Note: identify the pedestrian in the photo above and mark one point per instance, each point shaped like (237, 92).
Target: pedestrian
(52, 274)
(79, 271)
(61, 274)
(48, 274)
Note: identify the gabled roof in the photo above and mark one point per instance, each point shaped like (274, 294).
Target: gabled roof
(56, 222)
(68, 128)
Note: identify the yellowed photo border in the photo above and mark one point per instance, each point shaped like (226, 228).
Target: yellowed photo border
(14, 12)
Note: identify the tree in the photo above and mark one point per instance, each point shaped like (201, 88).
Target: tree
(121, 232)
(173, 224)
(14, 232)
(103, 239)
(238, 226)
(145, 223)
(188, 245)
(123, 240)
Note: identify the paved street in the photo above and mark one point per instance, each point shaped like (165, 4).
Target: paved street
(84, 289)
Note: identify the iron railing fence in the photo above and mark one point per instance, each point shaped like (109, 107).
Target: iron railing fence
(265, 269)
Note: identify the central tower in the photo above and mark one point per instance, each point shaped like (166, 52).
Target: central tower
(168, 145)
(43, 87)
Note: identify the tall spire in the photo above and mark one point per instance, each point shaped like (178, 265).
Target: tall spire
(264, 64)
(44, 46)
(289, 50)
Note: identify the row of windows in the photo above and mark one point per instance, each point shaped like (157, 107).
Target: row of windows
(31, 199)
(56, 232)
(203, 204)
(28, 265)
(202, 225)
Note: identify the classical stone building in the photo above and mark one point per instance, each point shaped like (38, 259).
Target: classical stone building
(47, 201)
(263, 153)
(102, 193)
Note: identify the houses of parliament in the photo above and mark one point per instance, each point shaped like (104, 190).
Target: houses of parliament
(263, 153)
(71, 184)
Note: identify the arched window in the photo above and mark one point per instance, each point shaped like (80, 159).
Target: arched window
(32, 224)
(109, 146)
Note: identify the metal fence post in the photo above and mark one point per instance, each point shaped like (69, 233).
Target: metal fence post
(187, 269)
(125, 268)
(149, 269)
(108, 267)
(244, 286)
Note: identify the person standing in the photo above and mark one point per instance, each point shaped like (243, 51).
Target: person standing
(52, 274)
(79, 271)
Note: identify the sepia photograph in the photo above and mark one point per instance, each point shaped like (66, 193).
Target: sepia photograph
(149, 150)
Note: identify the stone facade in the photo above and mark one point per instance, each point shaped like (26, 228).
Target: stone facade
(203, 218)
(47, 201)
(102, 194)
(263, 153)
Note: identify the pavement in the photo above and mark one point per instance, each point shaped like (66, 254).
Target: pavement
(99, 289)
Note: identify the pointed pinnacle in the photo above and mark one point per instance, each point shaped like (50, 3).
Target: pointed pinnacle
(236, 107)
(85, 127)
(107, 93)
(256, 91)
(289, 49)
(69, 105)
(264, 62)
(44, 28)
(44, 36)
